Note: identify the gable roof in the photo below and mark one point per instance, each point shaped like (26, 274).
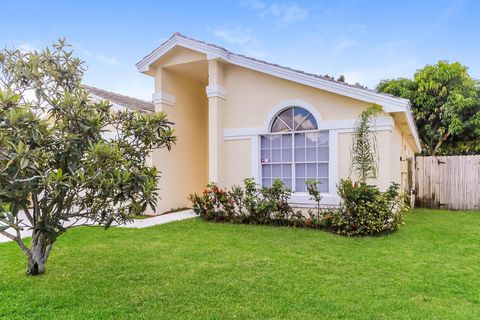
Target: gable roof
(121, 100)
(389, 102)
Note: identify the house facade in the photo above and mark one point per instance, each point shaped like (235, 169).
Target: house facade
(237, 117)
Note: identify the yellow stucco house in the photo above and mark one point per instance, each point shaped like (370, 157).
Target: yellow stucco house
(237, 117)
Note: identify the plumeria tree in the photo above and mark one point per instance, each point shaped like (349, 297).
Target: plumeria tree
(58, 169)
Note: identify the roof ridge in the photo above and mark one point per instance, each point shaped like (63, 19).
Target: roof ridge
(116, 93)
(121, 99)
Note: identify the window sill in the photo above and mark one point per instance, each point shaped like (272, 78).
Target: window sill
(302, 199)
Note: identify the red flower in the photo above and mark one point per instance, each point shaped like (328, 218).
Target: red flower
(308, 222)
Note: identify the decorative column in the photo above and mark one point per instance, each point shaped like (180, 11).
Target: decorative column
(165, 161)
(216, 94)
(161, 98)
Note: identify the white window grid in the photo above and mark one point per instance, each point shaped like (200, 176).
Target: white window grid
(277, 163)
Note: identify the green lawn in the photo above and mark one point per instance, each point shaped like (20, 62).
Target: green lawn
(430, 269)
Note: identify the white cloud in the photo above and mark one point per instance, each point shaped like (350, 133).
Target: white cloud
(244, 38)
(254, 4)
(100, 57)
(27, 47)
(30, 47)
(96, 55)
(236, 35)
(286, 13)
(345, 43)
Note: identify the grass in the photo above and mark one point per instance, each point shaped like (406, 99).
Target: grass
(143, 216)
(197, 270)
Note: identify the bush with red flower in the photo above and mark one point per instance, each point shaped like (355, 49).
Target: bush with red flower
(249, 204)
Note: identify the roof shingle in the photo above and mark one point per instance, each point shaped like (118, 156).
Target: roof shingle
(122, 100)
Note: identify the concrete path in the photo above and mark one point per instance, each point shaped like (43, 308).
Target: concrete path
(137, 223)
(166, 218)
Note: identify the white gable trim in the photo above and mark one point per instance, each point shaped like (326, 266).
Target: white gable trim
(389, 104)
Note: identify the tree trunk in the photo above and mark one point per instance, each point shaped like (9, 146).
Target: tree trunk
(439, 143)
(40, 250)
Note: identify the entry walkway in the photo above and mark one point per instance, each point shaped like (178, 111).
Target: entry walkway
(137, 223)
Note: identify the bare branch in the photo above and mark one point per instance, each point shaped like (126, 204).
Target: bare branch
(27, 179)
(29, 216)
(8, 235)
(19, 241)
(35, 208)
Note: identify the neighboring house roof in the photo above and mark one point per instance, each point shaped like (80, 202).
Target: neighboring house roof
(389, 102)
(120, 100)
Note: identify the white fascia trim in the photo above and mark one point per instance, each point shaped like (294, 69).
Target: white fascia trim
(216, 91)
(211, 52)
(381, 123)
(163, 98)
(413, 129)
(390, 104)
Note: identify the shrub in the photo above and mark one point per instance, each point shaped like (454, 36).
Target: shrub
(365, 210)
(250, 204)
(215, 204)
(313, 189)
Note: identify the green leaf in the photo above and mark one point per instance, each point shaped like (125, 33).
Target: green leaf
(23, 163)
(59, 174)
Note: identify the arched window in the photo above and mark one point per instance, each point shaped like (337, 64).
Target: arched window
(295, 150)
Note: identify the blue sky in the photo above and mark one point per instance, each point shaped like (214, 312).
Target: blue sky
(365, 40)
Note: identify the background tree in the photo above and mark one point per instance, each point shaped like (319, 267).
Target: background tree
(364, 161)
(445, 104)
(57, 169)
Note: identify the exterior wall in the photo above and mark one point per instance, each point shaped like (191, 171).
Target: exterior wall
(242, 111)
(184, 168)
(395, 154)
(237, 157)
(243, 100)
(386, 152)
(252, 95)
